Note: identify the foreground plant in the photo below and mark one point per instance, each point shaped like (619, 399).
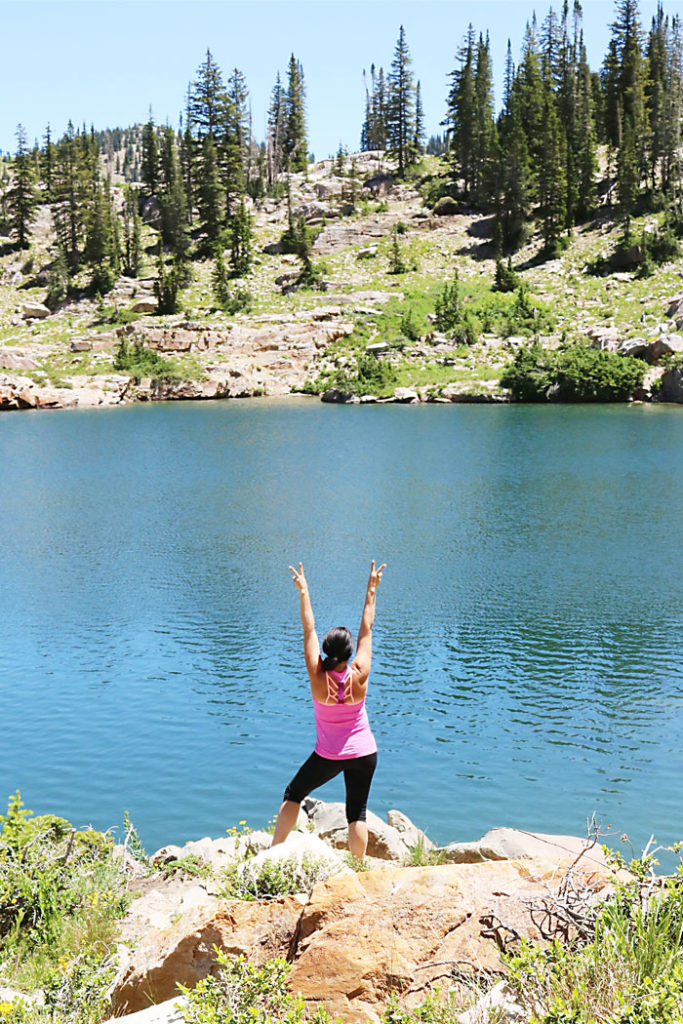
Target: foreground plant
(629, 972)
(61, 895)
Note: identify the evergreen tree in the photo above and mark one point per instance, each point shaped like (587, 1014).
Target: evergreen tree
(628, 176)
(174, 233)
(69, 195)
(48, 161)
(586, 159)
(241, 237)
(483, 129)
(295, 142)
(131, 234)
(22, 199)
(529, 89)
(460, 117)
(205, 100)
(552, 178)
(238, 94)
(275, 144)
(210, 195)
(400, 115)
(150, 156)
(419, 132)
(515, 176)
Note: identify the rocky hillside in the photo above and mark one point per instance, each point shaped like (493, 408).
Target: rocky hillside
(384, 250)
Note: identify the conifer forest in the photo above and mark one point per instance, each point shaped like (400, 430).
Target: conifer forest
(573, 154)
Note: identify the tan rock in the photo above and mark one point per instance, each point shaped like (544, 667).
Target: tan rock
(515, 844)
(362, 937)
(34, 311)
(16, 359)
(184, 952)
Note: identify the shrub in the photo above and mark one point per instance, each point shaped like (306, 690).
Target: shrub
(506, 280)
(628, 971)
(242, 993)
(141, 361)
(60, 889)
(372, 377)
(573, 374)
(103, 278)
(273, 878)
(452, 318)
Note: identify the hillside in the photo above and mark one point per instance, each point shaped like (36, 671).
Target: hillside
(383, 256)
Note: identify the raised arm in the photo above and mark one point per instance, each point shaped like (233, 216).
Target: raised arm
(311, 643)
(363, 657)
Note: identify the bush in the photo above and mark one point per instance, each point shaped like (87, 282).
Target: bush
(506, 280)
(627, 969)
(573, 374)
(141, 361)
(60, 889)
(57, 283)
(373, 376)
(274, 878)
(242, 993)
(452, 318)
(103, 279)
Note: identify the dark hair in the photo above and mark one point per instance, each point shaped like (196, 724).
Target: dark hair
(338, 646)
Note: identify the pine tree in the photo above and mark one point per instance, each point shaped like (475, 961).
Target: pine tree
(174, 233)
(239, 98)
(131, 234)
(529, 89)
(586, 159)
(48, 161)
(419, 132)
(295, 142)
(460, 114)
(241, 237)
(210, 195)
(628, 176)
(275, 144)
(514, 177)
(22, 197)
(483, 129)
(552, 178)
(205, 99)
(69, 196)
(400, 105)
(150, 156)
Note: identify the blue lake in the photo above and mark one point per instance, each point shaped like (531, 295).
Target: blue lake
(528, 646)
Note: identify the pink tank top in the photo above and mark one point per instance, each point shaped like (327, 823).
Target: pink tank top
(342, 730)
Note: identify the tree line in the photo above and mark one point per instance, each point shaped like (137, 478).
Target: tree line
(565, 139)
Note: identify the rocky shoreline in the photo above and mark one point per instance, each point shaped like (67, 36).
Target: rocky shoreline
(419, 918)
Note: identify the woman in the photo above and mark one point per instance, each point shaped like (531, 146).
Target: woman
(344, 740)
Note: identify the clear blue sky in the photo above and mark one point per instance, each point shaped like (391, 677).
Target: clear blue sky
(106, 61)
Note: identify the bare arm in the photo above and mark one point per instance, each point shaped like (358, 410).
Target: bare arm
(311, 643)
(363, 657)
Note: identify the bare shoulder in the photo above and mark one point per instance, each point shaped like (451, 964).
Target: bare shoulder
(318, 681)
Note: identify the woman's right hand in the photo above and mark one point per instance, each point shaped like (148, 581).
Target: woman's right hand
(375, 577)
(299, 578)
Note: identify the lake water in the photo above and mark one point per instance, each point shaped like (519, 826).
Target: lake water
(528, 645)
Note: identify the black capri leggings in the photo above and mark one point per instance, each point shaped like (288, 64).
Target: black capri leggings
(358, 772)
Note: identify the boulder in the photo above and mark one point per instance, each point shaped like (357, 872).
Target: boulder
(149, 209)
(81, 345)
(362, 937)
(406, 396)
(604, 338)
(183, 952)
(15, 359)
(409, 833)
(379, 184)
(632, 347)
(513, 844)
(664, 345)
(146, 305)
(671, 388)
(624, 259)
(335, 395)
(675, 307)
(446, 207)
(169, 1012)
(329, 821)
(368, 253)
(35, 311)
(308, 856)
